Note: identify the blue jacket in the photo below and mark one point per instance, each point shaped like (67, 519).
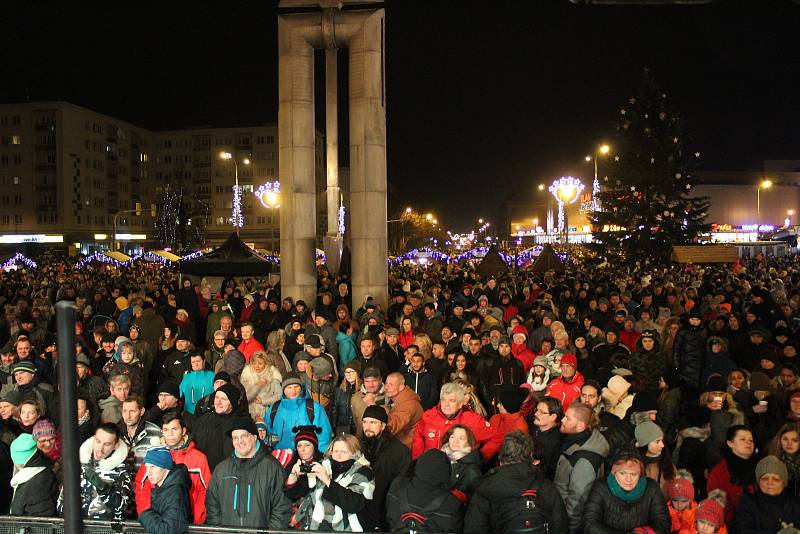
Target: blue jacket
(292, 413)
(195, 386)
(347, 350)
(124, 320)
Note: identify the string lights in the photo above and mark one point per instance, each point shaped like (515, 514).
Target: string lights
(18, 258)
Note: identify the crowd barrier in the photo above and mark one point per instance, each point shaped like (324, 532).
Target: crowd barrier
(55, 525)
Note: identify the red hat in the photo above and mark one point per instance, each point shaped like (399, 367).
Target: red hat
(680, 488)
(794, 394)
(569, 359)
(710, 511)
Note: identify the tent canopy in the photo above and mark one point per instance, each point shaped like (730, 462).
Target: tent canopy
(119, 256)
(492, 263)
(232, 257)
(166, 255)
(548, 260)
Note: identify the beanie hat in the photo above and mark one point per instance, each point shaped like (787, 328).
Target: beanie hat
(109, 338)
(314, 341)
(649, 334)
(647, 432)
(307, 433)
(512, 399)
(43, 428)
(759, 382)
(644, 402)
(504, 341)
(24, 365)
(171, 388)
(232, 392)
(82, 359)
(433, 468)
(260, 424)
(355, 365)
(376, 412)
(22, 449)
(241, 423)
(624, 453)
(14, 396)
(569, 359)
(121, 339)
(183, 337)
(159, 457)
(772, 465)
(291, 379)
(222, 375)
(710, 511)
(372, 372)
(680, 488)
(321, 367)
(541, 361)
(617, 388)
(716, 383)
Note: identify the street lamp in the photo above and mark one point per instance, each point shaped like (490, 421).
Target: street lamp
(237, 219)
(602, 150)
(765, 184)
(566, 190)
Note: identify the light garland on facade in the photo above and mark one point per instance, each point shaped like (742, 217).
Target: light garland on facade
(18, 258)
(237, 219)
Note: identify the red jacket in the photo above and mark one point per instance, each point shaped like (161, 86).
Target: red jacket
(508, 422)
(434, 425)
(199, 473)
(629, 339)
(566, 392)
(521, 351)
(248, 348)
(406, 338)
(720, 478)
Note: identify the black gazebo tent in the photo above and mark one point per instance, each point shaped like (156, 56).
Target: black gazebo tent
(232, 258)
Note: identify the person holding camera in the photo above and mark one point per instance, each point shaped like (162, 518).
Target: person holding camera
(306, 454)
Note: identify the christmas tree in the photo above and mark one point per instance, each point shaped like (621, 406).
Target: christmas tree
(645, 206)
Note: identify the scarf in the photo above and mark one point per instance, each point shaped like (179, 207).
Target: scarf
(455, 456)
(316, 510)
(86, 417)
(575, 439)
(628, 497)
(792, 462)
(742, 472)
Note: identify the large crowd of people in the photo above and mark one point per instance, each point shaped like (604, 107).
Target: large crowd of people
(590, 400)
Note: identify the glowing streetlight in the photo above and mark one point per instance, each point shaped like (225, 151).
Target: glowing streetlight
(408, 209)
(429, 216)
(765, 184)
(541, 187)
(566, 190)
(237, 219)
(480, 221)
(602, 150)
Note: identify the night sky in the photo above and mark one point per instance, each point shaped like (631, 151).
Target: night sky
(485, 99)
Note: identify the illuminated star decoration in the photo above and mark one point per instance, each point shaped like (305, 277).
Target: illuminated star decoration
(566, 190)
(269, 194)
(237, 219)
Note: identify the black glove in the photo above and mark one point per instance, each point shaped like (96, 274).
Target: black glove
(92, 478)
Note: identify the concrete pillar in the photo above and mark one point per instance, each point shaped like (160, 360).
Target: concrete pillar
(332, 240)
(368, 236)
(296, 160)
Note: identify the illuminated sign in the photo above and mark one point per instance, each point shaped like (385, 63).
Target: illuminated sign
(30, 238)
(757, 228)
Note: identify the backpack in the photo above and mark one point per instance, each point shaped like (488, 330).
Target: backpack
(309, 412)
(528, 517)
(415, 518)
(594, 458)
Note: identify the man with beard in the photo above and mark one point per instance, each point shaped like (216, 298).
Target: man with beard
(387, 456)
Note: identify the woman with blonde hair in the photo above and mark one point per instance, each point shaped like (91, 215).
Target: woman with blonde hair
(425, 345)
(276, 340)
(339, 489)
(262, 384)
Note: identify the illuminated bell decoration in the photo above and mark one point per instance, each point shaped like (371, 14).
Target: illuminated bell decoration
(566, 189)
(269, 194)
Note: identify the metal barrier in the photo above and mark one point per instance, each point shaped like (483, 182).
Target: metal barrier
(55, 525)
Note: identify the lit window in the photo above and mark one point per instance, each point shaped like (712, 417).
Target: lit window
(16, 139)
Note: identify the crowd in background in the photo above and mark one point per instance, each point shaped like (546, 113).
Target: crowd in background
(609, 400)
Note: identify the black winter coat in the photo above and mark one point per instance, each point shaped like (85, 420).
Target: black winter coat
(170, 509)
(465, 474)
(389, 459)
(496, 502)
(423, 384)
(604, 513)
(503, 374)
(689, 353)
(762, 514)
(551, 440)
(210, 437)
(37, 496)
(448, 517)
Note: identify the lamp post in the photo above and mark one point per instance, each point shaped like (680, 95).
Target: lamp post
(765, 184)
(603, 149)
(237, 219)
(566, 190)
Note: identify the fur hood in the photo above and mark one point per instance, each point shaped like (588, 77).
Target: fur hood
(105, 465)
